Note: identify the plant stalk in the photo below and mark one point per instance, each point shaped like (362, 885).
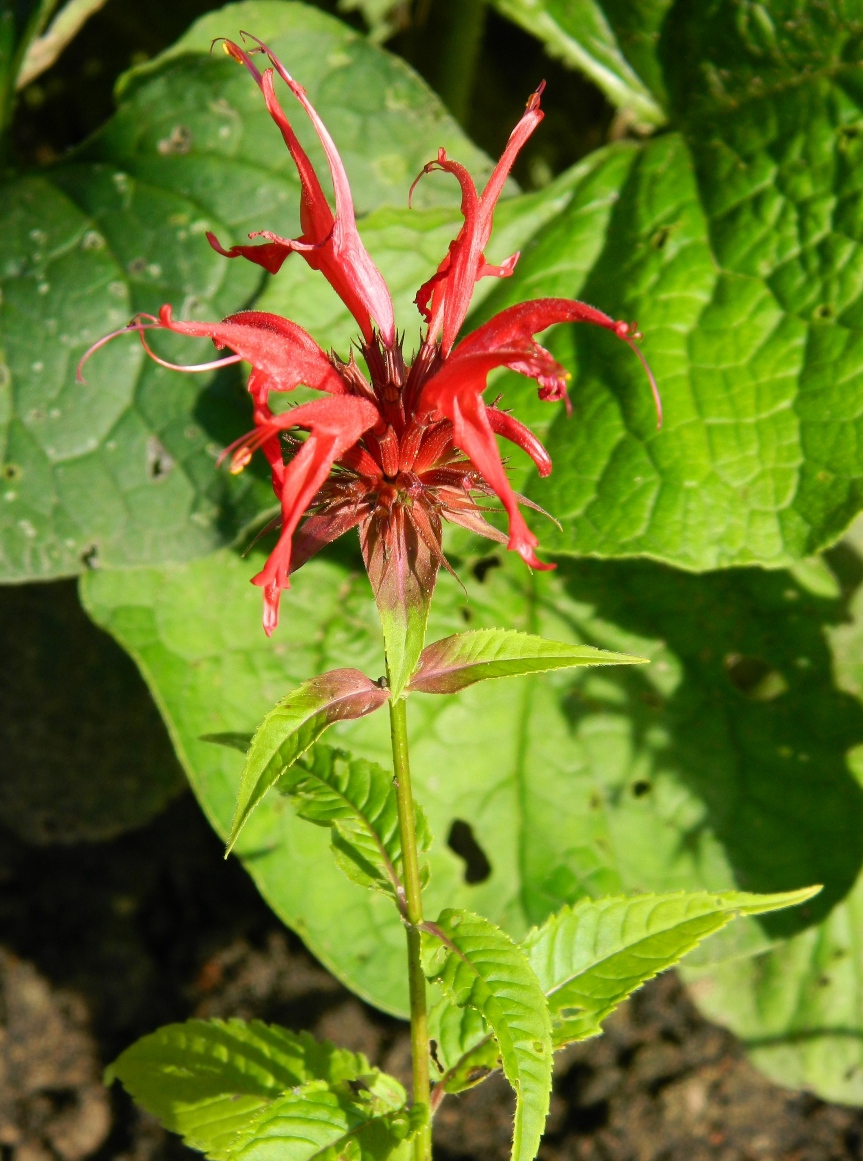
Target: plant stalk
(414, 917)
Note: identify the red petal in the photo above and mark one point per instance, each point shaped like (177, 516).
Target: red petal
(502, 423)
(450, 289)
(334, 425)
(275, 347)
(338, 251)
(474, 435)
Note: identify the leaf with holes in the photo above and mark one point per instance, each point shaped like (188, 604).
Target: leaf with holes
(358, 800)
(465, 658)
(212, 1081)
(121, 470)
(293, 725)
(479, 966)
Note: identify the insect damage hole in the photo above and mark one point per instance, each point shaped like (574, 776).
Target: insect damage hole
(461, 842)
(160, 462)
(754, 678)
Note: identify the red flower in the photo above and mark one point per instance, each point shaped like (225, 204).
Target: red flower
(394, 451)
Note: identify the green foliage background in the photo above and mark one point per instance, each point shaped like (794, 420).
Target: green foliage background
(726, 215)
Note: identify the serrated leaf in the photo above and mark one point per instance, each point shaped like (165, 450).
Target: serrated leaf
(121, 470)
(465, 1049)
(461, 660)
(293, 725)
(580, 35)
(358, 800)
(211, 1079)
(318, 1122)
(590, 957)
(479, 966)
(695, 772)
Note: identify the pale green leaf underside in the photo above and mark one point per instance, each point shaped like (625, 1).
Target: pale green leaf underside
(210, 1080)
(465, 658)
(479, 966)
(122, 470)
(358, 800)
(291, 727)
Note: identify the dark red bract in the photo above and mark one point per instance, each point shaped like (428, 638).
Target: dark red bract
(397, 450)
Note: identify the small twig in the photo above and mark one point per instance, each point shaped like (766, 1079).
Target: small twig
(45, 49)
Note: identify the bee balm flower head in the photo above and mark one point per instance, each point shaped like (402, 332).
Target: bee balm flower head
(396, 449)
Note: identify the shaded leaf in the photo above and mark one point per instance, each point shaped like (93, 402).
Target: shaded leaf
(121, 470)
(479, 966)
(465, 658)
(358, 800)
(294, 724)
(210, 1080)
(580, 35)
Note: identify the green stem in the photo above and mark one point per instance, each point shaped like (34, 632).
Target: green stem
(414, 917)
(459, 54)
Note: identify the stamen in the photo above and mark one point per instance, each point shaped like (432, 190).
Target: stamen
(656, 396)
(213, 365)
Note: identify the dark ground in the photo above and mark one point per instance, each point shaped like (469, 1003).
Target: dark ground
(105, 941)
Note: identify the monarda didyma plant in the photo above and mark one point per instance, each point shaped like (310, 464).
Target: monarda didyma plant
(394, 448)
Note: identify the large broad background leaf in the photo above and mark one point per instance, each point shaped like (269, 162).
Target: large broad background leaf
(722, 765)
(735, 243)
(122, 469)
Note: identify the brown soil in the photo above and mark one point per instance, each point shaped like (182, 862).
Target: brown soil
(107, 941)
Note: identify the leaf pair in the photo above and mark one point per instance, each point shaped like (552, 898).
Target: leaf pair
(558, 985)
(292, 727)
(235, 1090)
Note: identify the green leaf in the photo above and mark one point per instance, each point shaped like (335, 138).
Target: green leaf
(293, 725)
(465, 1049)
(580, 35)
(693, 773)
(121, 470)
(479, 966)
(210, 1080)
(465, 658)
(750, 328)
(358, 800)
(590, 957)
(314, 1121)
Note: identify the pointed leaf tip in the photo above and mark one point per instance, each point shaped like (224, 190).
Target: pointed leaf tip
(456, 662)
(295, 724)
(479, 966)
